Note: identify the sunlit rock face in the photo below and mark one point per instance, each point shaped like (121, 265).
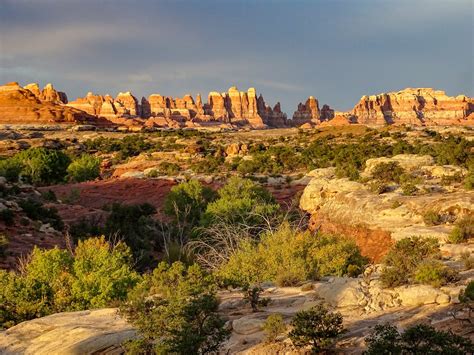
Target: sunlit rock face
(422, 106)
(30, 104)
(309, 114)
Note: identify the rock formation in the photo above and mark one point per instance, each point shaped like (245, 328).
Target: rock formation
(309, 114)
(233, 108)
(422, 106)
(31, 105)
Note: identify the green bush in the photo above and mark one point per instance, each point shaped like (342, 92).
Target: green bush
(42, 165)
(469, 180)
(273, 327)
(175, 311)
(241, 201)
(467, 260)
(98, 275)
(405, 256)
(7, 216)
(379, 187)
(134, 225)
(387, 172)
(289, 257)
(417, 339)
(37, 212)
(409, 189)
(3, 244)
(316, 327)
(84, 168)
(463, 230)
(186, 202)
(167, 168)
(434, 273)
(10, 169)
(432, 218)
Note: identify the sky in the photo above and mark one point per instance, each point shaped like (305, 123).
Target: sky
(335, 50)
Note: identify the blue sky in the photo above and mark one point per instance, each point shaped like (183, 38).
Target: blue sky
(335, 50)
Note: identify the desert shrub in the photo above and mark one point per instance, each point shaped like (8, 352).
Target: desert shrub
(316, 327)
(167, 168)
(463, 230)
(240, 201)
(134, 225)
(84, 168)
(3, 244)
(252, 296)
(467, 260)
(42, 165)
(128, 146)
(208, 165)
(469, 180)
(7, 216)
(434, 273)
(98, 275)
(289, 257)
(273, 327)
(49, 196)
(186, 202)
(37, 212)
(409, 189)
(387, 172)
(467, 295)
(175, 311)
(432, 218)
(10, 169)
(404, 257)
(417, 339)
(378, 187)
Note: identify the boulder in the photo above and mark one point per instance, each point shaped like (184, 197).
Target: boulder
(408, 162)
(248, 324)
(341, 292)
(85, 332)
(416, 295)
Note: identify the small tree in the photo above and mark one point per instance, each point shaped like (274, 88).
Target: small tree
(186, 202)
(316, 327)
(86, 167)
(418, 339)
(175, 310)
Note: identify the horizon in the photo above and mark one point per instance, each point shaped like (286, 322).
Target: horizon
(175, 48)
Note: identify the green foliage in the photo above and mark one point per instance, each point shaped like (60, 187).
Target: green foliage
(208, 165)
(434, 273)
(463, 230)
(432, 218)
(42, 165)
(84, 168)
(7, 216)
(405, 256)
(379, 187)
(175, 311)
(409, 189)
(387, 172)
(467, 295)
(134, 225)
(37, 212)
(417, 339)
(316, 327)
(128, 146)
(241, 201)
(55, 281)
(468, 180)
(289, 257)
(10, 169)
(167, 168)
(467, 260)
(3, 244)
(187, 201)
(273, 327)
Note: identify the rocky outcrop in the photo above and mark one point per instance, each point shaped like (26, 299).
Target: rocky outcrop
(422, 106)
(334, 202)
(31, 105)
(99, 331)
(310, 113)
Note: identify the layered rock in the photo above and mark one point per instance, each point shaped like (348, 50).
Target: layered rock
(422, 106)
(31, 105)
(309, 113)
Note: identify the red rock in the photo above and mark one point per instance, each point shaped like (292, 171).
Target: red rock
(423, 106)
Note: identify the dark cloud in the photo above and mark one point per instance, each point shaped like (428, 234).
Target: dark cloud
(335, 50)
